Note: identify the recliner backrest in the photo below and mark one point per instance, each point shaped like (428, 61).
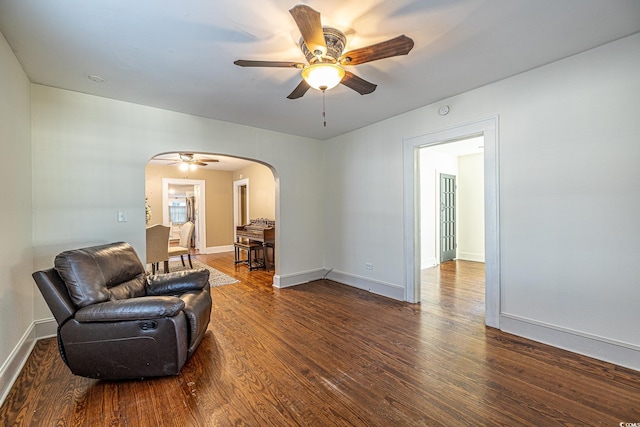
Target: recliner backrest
(101, 273)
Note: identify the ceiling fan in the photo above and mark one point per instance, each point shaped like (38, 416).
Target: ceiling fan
(188, 160)
(322, 47)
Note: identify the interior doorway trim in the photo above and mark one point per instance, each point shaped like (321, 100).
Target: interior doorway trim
(199, 188)
(411, 146)
(237, 184)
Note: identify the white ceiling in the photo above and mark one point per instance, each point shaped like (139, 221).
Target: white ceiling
(178, 55)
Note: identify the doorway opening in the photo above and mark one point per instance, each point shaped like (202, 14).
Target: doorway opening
(184, 200)
(240, 202)
(451, 201)
(414, 211)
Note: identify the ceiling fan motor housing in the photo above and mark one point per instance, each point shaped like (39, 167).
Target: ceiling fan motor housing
(335, 40)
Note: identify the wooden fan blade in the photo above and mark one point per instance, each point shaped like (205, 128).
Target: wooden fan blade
(300, 90)
(310, 26)
(279, 64)
(209, 160)
(199, 163)
(354, 82)
(401, 45)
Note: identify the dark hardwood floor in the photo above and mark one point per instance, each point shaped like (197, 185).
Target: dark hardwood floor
(325, 354)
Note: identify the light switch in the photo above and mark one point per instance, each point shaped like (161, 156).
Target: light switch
(122, 216)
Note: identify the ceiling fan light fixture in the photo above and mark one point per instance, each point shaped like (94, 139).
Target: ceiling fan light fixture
(323, 75)
(185, 166)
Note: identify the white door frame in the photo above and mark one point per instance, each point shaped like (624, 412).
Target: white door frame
(236, 203)
(201, 226)
(411, 146)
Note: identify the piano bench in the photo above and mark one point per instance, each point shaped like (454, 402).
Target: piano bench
(252, 260)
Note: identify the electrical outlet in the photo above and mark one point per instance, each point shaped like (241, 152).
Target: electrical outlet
(369, 266)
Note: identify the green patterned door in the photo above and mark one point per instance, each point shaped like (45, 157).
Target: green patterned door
(447, 217)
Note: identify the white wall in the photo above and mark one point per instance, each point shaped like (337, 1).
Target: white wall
(470, 221)
(16, 260)
(569, 198)
(89, 157)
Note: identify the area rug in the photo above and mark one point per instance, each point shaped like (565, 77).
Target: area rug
(216, 278)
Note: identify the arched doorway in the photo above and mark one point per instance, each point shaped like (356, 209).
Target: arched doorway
(214, 176)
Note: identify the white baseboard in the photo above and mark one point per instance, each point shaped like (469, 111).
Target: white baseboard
(11, 368)
(616, 352)
(280, 281)
(374, 286)
(218, 249)
(46, 328)
(428, 263)
(468, 256)
(464, 256)
(381, 288)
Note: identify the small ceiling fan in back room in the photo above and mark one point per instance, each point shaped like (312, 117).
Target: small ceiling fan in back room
(187, 161)
(323, 46)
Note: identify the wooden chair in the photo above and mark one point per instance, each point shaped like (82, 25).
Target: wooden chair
(158, 247)
(186, 232)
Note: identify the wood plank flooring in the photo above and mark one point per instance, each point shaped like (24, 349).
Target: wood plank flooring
(325, 354)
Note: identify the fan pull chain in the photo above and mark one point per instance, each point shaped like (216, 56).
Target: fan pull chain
(324, 113)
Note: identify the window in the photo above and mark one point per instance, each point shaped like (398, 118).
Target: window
(177, 214)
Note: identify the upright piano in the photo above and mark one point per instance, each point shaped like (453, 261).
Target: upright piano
(261, 230)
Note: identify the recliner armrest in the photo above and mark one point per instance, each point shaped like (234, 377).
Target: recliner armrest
(141, 308)
(178, 282)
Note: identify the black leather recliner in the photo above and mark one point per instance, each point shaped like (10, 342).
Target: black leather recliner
(115, 322)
